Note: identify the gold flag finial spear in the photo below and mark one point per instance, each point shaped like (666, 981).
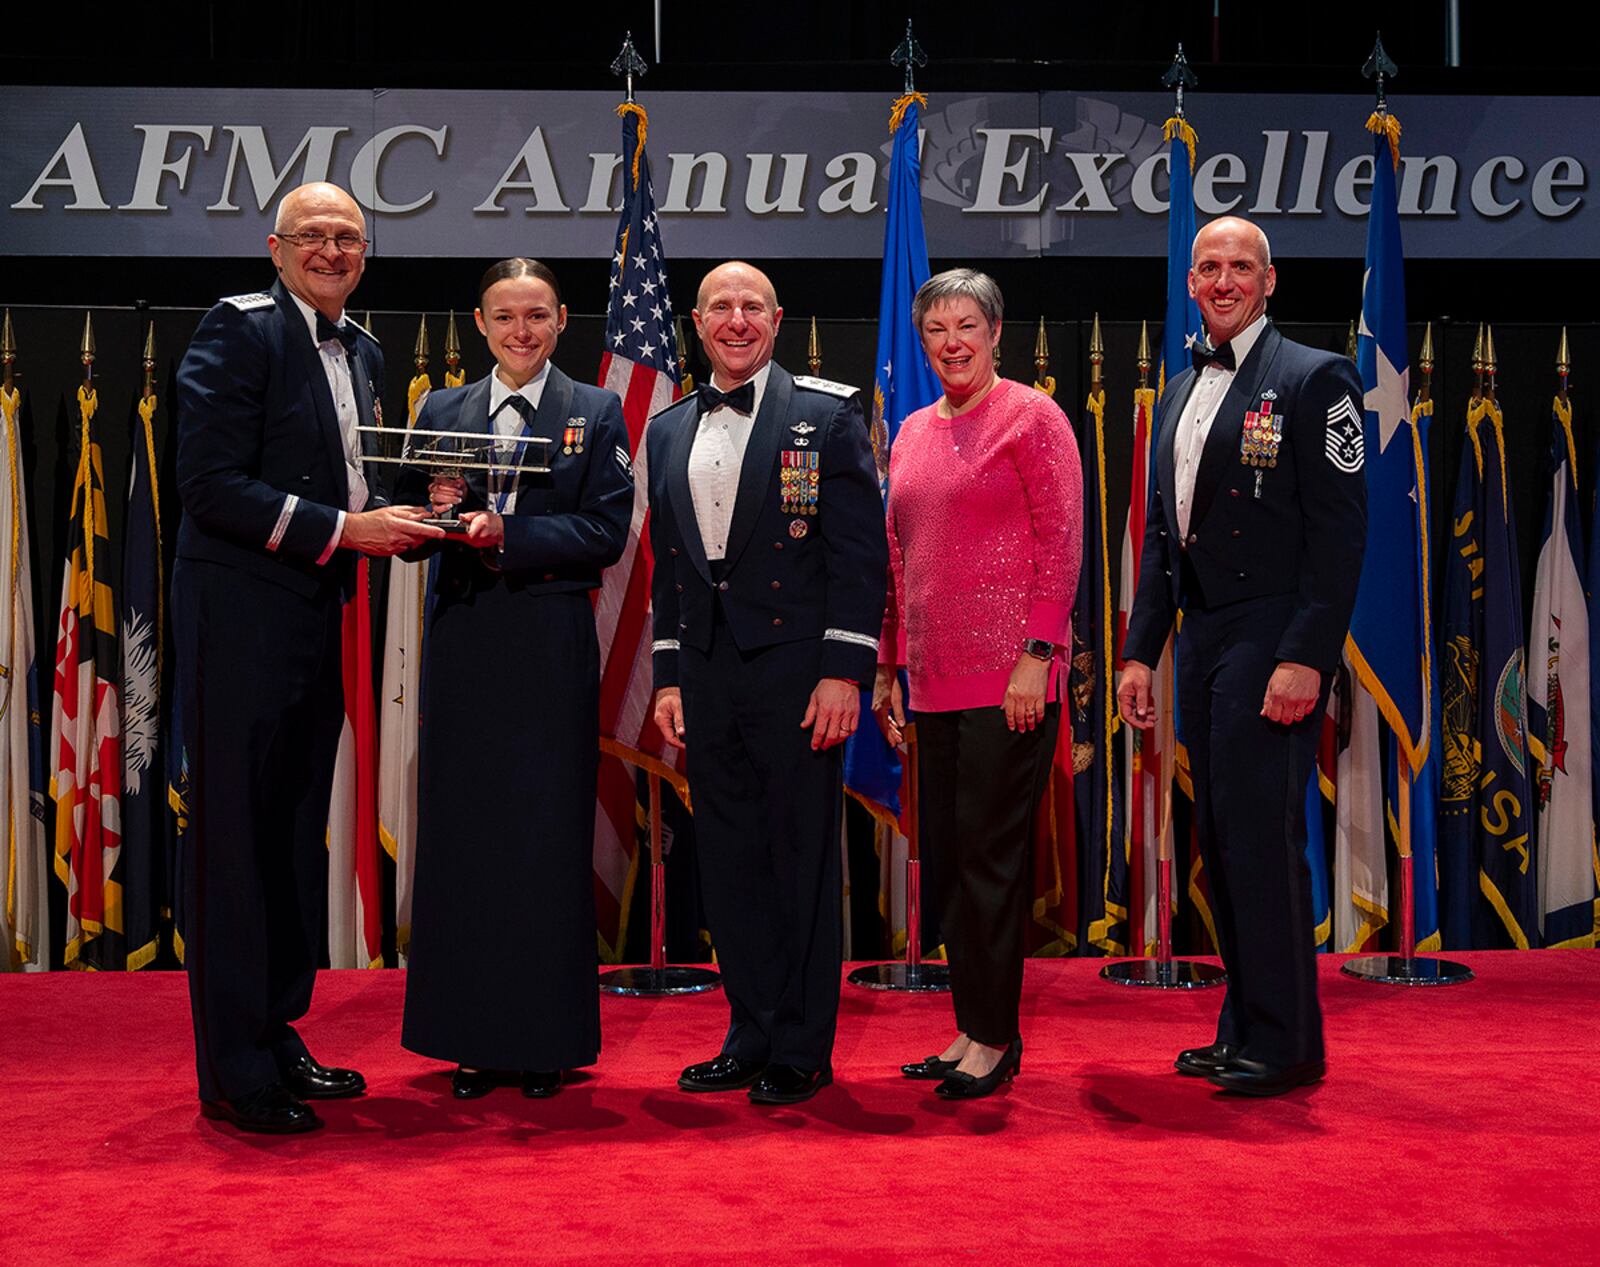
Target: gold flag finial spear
(1425, 364)
(148, 360)
(1097, 356)
(1352, 342)
(1041, 352)
(419, 354)
(814, 350)
(1477, 365)
(452, 343)
(8, 350)
(1144, 359)
(86, 348)
(1489, 363)
(1563, 363)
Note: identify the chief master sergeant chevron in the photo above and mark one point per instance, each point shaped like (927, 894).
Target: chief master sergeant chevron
(276, 504)
(1256, 529)
(770, 570)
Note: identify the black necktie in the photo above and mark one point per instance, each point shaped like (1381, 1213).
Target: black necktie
(521, 404)
(742, 398)
(1204, 354)
(344, 332)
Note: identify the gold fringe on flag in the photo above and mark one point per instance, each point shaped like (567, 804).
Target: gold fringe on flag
(1382, 123)
(623, 111)
(1179, 129)
(897, 112)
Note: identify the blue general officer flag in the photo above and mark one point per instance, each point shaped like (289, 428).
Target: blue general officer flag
(1182, 325)
(903, 382)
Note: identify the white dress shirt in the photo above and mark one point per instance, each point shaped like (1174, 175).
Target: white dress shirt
(715, 458)
(336, 365)
(1199, 412)
(507, 424)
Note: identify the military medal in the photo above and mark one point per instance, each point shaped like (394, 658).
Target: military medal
(799, 480)
(377, 405)
(1263, 434)
(798, 528)
(572, 439)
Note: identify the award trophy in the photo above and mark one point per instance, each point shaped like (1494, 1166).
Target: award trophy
(450, 454)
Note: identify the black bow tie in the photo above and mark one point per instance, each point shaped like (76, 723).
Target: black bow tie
(1204, 354)
(344, 332)
(742, 398)
(520, 403)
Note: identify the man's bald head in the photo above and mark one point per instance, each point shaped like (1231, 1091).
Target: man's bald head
(323, 276)
(736, 315)
(736, 272)
(1235, 224)
(318, 196)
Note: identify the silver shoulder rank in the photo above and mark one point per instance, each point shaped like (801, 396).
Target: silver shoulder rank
(824, 385)
(249, 303)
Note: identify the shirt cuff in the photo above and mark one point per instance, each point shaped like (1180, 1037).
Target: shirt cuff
(333, 541)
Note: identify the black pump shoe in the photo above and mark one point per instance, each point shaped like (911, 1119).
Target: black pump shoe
(963, 1086)
(929, 1068)
(470, 1084)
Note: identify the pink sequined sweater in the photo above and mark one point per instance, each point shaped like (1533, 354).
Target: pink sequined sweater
(985, 537)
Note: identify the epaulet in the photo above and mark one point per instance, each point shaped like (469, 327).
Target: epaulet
(363, 329)
(249, 303)
(674, 404)
(824, 385)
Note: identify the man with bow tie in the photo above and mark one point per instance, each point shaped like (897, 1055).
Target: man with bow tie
(277, 502)
(770, 570)
(1256, 530)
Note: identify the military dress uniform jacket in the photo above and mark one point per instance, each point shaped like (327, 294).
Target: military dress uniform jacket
(1279, 503)
(567, 525)
(807, 557)
(261, 469)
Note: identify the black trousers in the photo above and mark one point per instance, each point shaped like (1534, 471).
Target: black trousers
(1250, 790)
(262, 703)
(980, 786)
(766, 819)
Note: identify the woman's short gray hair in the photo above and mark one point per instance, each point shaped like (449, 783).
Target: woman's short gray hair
(960, 283)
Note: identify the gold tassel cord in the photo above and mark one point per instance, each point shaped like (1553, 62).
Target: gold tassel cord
(147, 413)
(633, 108)
(1179, 129)
(897, 112)
(1382, 123)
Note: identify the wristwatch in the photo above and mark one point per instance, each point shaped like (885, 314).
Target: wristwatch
(1039, 649)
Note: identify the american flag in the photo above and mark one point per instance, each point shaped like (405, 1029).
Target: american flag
(640, 364)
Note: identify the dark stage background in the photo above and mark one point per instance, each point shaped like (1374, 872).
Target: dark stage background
(1250, 45)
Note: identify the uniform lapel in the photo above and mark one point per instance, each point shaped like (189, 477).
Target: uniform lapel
(760, 456)
(678, 488)
(310, 362)
(1222, 444)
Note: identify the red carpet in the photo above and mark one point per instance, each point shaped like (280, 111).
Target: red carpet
(1457, 1125)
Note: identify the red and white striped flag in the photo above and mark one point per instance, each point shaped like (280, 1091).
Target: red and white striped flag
(640, 364)
(355, 933)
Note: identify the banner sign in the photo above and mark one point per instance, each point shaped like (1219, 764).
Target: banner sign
(120, 171)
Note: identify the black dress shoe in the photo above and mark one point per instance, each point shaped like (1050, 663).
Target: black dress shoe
(1252, 1077)
(1202, 1062)
(789, 1084)
(541, 1084)
(725, 1073)
(963, 1086)
(270, 1110)
(311, 1081)
(929, 1068)
(470, 1084)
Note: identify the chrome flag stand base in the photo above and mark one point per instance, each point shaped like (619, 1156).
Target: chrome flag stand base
(1407, 970)
(657, 979)
(1168, 974)
(925, 978)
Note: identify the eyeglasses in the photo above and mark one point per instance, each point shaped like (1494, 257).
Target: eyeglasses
(311, 240)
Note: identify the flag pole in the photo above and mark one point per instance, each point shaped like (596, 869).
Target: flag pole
(1404, 968)
(658, 978)
(911, 974)
(1163, 972)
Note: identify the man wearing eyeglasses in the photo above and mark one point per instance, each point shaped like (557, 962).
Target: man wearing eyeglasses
(277, 503)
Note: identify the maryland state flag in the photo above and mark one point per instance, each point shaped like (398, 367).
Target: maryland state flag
(1488, 878)
(86, 723)
(1558, 707)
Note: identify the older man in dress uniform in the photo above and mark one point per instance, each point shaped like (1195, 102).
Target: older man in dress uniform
(1256, 531)
(276, 504)
(770, 561)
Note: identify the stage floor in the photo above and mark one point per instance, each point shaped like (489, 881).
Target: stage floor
(1456, 1125)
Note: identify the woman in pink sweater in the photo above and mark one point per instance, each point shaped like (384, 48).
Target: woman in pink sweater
(985, 528)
